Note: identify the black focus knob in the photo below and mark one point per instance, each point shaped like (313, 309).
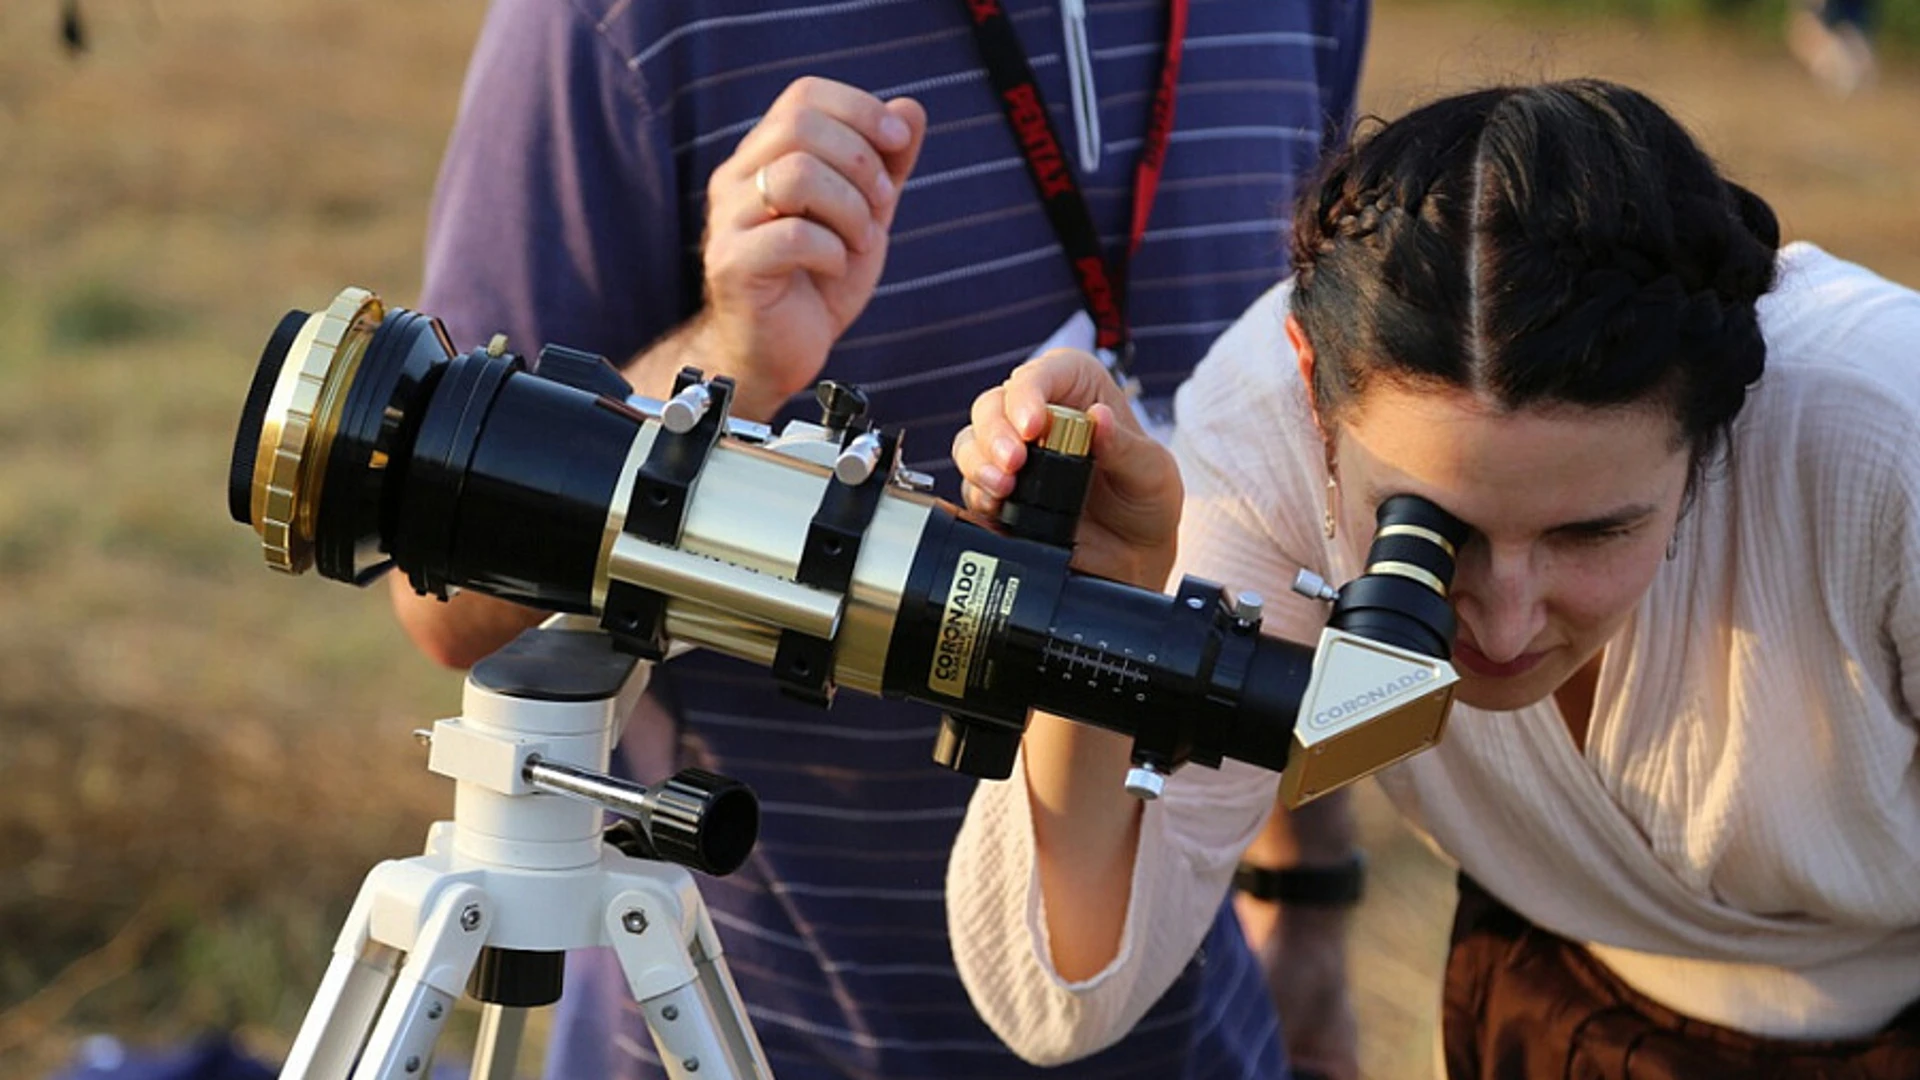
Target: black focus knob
(703, 821)
(842, 405)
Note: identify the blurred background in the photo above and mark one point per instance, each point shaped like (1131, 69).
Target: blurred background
(200, 759)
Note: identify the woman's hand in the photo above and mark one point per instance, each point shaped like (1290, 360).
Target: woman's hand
(1129, 529)
(797, 224)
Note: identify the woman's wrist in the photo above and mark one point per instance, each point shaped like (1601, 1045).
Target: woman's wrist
(1333, 885)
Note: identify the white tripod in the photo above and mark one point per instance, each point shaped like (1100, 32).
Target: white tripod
(520, 875)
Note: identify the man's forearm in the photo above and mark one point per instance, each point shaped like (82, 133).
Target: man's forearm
(700, 343)
(461, 631)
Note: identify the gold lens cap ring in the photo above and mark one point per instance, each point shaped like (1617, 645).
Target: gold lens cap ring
(298, 423)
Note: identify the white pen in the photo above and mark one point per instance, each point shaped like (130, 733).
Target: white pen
(1086, 100)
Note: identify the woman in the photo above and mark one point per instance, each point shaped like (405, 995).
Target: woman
(1680, 778)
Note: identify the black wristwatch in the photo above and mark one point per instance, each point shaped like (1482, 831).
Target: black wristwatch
(1337, 885)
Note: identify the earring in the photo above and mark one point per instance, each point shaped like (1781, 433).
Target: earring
(1333, 499)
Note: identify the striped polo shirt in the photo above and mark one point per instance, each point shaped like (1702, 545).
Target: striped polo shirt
(570, 209)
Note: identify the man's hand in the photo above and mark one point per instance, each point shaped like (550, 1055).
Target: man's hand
(797, 224)
(1129, 528)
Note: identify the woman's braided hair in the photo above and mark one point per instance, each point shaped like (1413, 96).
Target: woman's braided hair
(1566, 243)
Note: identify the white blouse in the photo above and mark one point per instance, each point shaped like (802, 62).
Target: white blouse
(1740, 838)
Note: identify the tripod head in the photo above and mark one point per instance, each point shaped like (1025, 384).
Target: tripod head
(367, 441)
(518, 878)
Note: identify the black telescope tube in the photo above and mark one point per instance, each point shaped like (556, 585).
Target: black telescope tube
(509, 485)
(992, 626)
(470, 471)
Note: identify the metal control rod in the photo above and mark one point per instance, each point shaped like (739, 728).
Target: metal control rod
(608, 793)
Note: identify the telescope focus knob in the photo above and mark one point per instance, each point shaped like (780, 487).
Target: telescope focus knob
(1069, 432)
(1051, 487)
(703, 821)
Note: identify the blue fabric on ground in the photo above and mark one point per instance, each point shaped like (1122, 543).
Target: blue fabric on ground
(211, 1057)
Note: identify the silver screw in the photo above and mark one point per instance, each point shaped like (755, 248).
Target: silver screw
(1146, 781)
(413, 1064)
(692, 1064)
(857, 462)
(1248, 605)
(669, 1013)
(635, 921)
(1313, 586)
(470, 918)
(1196, 603)
(913, 479)
(684, 409)
(435, 1010)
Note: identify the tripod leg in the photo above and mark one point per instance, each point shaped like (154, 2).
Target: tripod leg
(497, 1050)
(349, 997)
(435, 974)
(723, 998)
(670, 955)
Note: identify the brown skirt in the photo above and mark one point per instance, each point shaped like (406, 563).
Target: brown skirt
(1524, 1004)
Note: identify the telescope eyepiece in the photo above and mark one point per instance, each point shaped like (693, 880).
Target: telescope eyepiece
(1401, 596)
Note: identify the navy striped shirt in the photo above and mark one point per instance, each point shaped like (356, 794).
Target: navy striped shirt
(570, 209)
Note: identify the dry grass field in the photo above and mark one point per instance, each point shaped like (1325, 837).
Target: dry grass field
(199, 759)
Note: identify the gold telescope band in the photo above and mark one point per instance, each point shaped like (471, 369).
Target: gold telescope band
(296, 432)
(1409, 571)
(1420, 531)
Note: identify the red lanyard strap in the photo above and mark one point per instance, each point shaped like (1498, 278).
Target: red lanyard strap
(1102, 281)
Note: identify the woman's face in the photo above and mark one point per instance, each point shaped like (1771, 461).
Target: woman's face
(1571, 510)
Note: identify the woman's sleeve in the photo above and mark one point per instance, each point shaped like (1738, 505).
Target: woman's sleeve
(1899, 569)
(1238, 443)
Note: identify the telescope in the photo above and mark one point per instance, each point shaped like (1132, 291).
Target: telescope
(368, 443)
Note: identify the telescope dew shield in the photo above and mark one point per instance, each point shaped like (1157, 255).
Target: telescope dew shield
(366, 439)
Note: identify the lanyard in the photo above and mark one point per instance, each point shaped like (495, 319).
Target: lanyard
(1103, 282)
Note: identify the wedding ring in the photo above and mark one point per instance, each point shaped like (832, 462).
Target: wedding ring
(766, 199)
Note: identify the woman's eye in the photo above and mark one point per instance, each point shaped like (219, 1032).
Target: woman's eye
(1597, 537)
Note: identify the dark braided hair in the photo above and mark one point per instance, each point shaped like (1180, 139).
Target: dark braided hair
(1566, 243)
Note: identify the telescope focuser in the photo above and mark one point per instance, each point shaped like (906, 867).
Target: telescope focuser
(368, 441)
(1051, 488)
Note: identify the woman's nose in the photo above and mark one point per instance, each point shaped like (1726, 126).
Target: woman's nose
(1498, 595)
